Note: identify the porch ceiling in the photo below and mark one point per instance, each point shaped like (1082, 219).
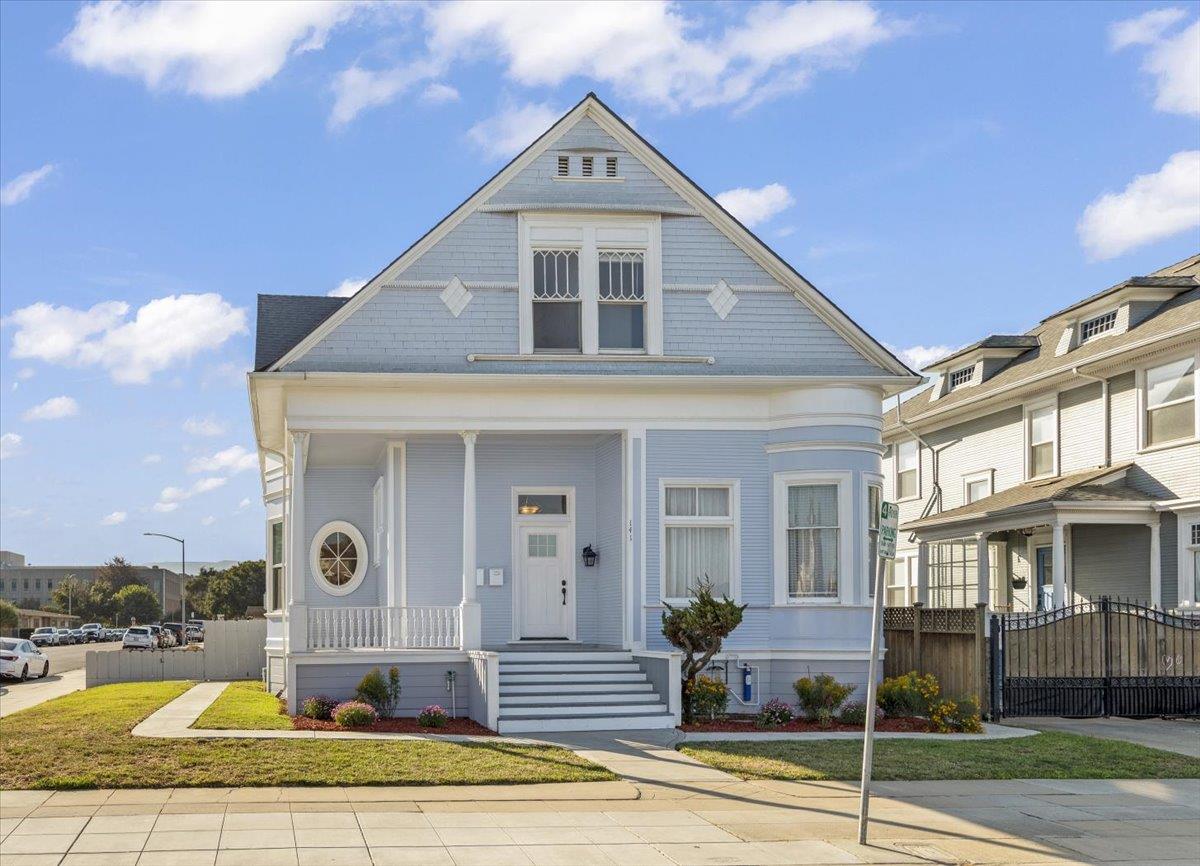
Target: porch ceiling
(1098, 491)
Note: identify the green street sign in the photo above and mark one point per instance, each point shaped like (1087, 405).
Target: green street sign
(889, 519)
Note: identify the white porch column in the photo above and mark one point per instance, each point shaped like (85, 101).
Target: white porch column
(1058, 565)
(983, 570)
(1155, 565)
(923, 573)
(297, 556)
(472, 620)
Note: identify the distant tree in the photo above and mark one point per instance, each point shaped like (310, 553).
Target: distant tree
(135, 602)
(197, 593)
(238, 587)
(69, 595)
(8, 615)
(118, 573)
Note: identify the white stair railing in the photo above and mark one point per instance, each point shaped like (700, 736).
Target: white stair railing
(382, 628)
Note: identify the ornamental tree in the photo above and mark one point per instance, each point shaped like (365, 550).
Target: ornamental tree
(698, 629)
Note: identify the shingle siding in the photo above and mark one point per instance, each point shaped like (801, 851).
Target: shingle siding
(483, 247)
(341, 493)
(695, 252)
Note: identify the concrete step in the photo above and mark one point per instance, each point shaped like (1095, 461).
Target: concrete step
(604, 697)
(569, 689)
(567, 667)
(561, 710)
(559, 656)
(586, 723)
(573, 677)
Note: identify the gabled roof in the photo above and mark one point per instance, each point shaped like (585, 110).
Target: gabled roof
(1171, 277)
(995, 341)
(1077, 487)
(591, 106)
(285, 320)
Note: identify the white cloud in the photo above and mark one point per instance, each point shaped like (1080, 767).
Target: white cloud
(151, 459)
(161, 334)
(20, 187)
(233, 460)
(165, 507)
(52, 410)
(206, 48)
(170, 497)
(25, 373)
(664, 54)
(438, 93)
(244, 504)
(18, 511)
(114, 519)
(204, 485)
(918, 357)
(10, 445)
(1173, 58)
(208, 521)
(346, 288)
(208, 426)
(506, 134)
(1152, 207)
(754, 206)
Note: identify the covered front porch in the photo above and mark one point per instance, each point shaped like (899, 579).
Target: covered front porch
(1044, 545)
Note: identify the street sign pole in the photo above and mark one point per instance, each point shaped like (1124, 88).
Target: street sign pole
(888, 520)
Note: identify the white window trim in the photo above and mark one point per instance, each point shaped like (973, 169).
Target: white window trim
(1050, 402)
(1113, 311)
(734, 520)
(869, 479)
(970, 380)
(896, 470)
(1142, 401)
(274, 604)
(314, 554)
(845, 482)
(988, 475)
(1184, 521)
(583, 232)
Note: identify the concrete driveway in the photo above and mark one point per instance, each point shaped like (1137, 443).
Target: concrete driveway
(1171, 735)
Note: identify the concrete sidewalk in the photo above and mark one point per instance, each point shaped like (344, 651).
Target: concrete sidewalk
(22, 696)
(1173, 735)
(710, 822)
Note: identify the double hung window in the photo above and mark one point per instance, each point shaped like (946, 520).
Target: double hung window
(699, 539)
(813, 541)
(1042, 436)
(622, 284)
(556, 326)
(1170, 402)
(275, 602)
(908, 470)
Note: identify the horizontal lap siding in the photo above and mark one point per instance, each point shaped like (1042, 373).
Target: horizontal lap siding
(433, 521)
(1081, 428)
(421, 683)
(994, 442)
(609, 541)
(341, 493)
(1111, 560)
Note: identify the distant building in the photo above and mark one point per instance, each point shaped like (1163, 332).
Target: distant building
(28, 620)
(32, 585)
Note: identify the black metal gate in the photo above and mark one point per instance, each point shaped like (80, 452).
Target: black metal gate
(1097, 658)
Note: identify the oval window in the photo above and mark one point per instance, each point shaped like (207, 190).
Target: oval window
(339, 557)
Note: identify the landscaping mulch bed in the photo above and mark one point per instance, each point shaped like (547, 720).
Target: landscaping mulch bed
(745, 725)
(396, 726)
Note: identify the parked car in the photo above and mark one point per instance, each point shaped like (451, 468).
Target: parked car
(66, 636)
(139, 637)
(93, 632)
(78, 634)
(195, 627)
(179, 630)
(166, 637)
(113, 634)
(45, 636)
(19, 658)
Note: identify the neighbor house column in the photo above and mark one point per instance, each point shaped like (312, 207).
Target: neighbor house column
(982, 570)
(1058, 564)
(923, 573)
(472, 621)
(1155, 565)
(297, 557)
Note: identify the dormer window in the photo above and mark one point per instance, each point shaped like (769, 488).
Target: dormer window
(961, 377)
(1097, 325)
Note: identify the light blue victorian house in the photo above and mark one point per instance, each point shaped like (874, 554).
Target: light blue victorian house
(579, 393)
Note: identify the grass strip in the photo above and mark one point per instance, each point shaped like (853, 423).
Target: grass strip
(244, 706)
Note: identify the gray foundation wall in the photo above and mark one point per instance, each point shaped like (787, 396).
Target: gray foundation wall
(774, 678)
(422, 683)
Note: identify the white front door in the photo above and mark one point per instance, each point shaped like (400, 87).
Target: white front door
(545, 581)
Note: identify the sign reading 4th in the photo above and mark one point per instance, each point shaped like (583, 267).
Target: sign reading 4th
(889, 519)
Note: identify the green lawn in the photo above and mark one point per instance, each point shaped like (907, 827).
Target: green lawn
(82, 740)
(245, 706)
(1044, 756)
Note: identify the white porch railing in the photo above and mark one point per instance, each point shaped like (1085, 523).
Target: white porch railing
(353, 628)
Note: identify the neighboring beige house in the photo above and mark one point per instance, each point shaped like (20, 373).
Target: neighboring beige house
(1060, 464)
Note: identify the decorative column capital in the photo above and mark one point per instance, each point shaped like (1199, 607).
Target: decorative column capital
(469, 436)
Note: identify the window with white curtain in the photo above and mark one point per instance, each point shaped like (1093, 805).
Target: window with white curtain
(1170, 402)
(813, 540)
(699, 539)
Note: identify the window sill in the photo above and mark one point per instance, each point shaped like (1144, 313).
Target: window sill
(916, 498)
(602, 358)
(1167, 446)
(810, 602)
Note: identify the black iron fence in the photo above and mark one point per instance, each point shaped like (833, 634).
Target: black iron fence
(1106, 657)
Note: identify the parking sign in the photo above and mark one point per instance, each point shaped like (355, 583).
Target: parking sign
(889, 518)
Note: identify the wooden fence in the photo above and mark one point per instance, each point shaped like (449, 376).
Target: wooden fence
(949, 643)
(232, 650)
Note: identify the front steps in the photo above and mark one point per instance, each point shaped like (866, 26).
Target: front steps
(577, 691)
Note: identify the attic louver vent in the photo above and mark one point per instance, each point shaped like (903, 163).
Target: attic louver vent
(1098, 325)
(722, 299)
(610, 166)
(564, 166)
(961, 377)
(455, 296)
(588, 163)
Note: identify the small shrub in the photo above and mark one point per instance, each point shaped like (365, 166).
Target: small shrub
(774, 714)
(354, 714)
(318, 707)
(909, 694)
(820, 697)
(372, 689)
(433, 716)
(708, 697)
(956, 717)
(856, 714)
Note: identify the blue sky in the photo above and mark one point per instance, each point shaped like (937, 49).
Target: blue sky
(942, 171)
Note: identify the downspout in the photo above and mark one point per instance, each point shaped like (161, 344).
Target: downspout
(1104, 400)
(935, 495)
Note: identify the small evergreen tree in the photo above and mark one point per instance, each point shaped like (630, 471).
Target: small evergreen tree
(8, 616)
(699, 629)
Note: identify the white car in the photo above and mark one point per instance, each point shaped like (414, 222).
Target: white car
(20, 658)
(139, 637)
(47, 635)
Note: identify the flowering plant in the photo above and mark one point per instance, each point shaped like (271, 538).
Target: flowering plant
(354, 714)
(774, 714)
(318, 707)
(433, 716)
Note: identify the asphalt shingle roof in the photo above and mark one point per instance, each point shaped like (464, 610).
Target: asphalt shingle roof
(285, 320)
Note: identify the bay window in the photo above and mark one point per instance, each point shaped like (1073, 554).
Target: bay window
(590, 285)
(815, 546)
(699, 524)
(1170, 400)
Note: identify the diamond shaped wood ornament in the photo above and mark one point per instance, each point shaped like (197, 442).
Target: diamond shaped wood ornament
(455, 296)
(722, 299)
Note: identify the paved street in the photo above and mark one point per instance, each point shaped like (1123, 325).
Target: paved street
(66, 676)
(69, 658)
(1173, 735)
